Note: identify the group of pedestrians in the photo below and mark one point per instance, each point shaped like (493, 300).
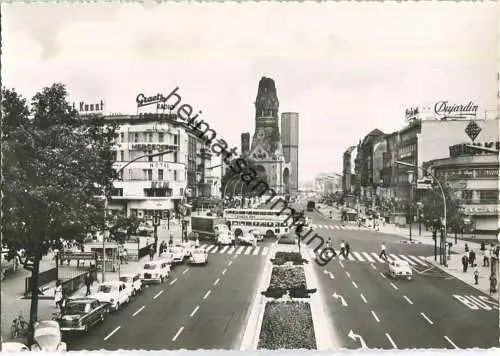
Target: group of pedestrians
(490, 258)
(345, 248)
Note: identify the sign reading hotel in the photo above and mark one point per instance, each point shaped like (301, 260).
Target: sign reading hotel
(454, 111)
(87, 108)
(158, 99)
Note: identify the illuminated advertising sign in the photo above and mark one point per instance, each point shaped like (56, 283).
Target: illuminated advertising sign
(444, 108)
(89, 108)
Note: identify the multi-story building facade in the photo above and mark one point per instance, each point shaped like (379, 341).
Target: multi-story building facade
(150, 185)
(348, 169)
(290, 143)
(364, 163)
(474, 176)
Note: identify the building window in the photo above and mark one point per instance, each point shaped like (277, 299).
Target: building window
(136, 137)
(160, 174)
(122, 156)
(176, 139)
(175, 157)
(148, 174)
(488, 195)
(130, 174)
(175, 175)
(150, 137)
(117, 192)
(487, 173)
(122, 137)
(160, 136)
(181, 192)
(160, 158)
(150, 158)
(133, 212)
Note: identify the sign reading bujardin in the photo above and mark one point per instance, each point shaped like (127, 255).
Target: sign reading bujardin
(445, 109)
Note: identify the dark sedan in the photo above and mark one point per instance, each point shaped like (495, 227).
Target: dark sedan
(82, 313)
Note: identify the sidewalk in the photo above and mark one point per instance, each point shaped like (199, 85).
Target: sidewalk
(13, 304)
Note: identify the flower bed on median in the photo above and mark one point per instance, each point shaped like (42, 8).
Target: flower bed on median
(288, 279)
(282, 257)
(287, 325)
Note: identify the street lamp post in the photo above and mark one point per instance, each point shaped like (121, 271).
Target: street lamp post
(443, 238)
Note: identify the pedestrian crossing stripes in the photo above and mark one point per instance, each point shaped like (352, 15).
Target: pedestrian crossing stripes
(353, 256)
(340, 227)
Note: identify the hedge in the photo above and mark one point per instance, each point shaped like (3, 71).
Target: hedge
(288, 279)
(282, 257)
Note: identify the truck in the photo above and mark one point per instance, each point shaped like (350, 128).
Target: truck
(204, 226)
(311, 205)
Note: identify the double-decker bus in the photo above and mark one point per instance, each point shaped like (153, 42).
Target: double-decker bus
(269, 222)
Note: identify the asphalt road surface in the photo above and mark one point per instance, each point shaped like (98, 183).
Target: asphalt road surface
(198, 307)
(369, 309)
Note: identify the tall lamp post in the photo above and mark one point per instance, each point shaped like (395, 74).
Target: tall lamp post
(443, 238)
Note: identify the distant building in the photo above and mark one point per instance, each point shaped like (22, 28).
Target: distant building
(245, 143)
(290, 142)
(348, 170)
(364, 165)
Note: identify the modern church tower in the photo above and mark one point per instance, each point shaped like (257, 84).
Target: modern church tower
(290, 141)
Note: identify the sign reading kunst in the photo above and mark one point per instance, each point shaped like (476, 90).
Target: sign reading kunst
(89, 108)
(443, 108)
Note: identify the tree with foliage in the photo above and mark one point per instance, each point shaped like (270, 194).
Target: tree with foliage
(55, 165)
(432, 208)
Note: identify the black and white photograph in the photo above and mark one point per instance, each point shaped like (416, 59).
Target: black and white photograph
(250, 176)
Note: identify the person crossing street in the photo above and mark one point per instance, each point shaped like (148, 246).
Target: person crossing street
(347, 249)
(342, 249)
(382, 251)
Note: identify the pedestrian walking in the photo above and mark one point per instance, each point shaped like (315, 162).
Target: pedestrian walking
(329, 243)
(347, 249)
(493, 284)
(342, 249)
(486, 258)
(466, 248)
(472, 258)
(58, 295)
(465, 262)
(151, 253)
(125, 256)
(88, 283)
(476, 276)
(382, 251)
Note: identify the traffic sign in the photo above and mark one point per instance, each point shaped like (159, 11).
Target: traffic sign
(156, 220)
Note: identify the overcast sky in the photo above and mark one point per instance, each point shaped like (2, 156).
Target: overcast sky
(346, 68)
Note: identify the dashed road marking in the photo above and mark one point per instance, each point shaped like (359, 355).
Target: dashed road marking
(426, 318)
(451, 342)
(373, 266)
(224, 271)
(231, 250)
(139, 310)
(407, 260)
(375, 316)
(239, 250)
(354, 284)
(230, 263)
(407, 299)
(194, 311)
(364, 299)
(391, 340)
(394, 286)
(368, 257)
(224, 249)
(207, 294)
(185, 271)
(247, 251)
(348, 274)
(216, 281)
(349, 256)
(256, 251)
(358, 256)
(175, 280)
(158, 294)
(178, 333)
(111, 333)
(383, 275)
(341, 264)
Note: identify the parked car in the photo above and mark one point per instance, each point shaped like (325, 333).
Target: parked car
(178, 254)
(225, 237)
(259, 236)
(400, 269)
(198, 256)
(247, 238)
(155, 271)
(47, 336)
(115, 293)
(14, 347)
(134, 282)
(188, 247)
(82, 313)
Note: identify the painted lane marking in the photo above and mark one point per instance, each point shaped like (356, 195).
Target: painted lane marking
(231, 250)
(407, 299)
(358, 256)
(265, 251)
(139, 310)
(256, 251)
(451, 342)
(207, 294)
(224, 249)
(391, 340)
(394, 286)
(364, 299)
(178, 333)
(341, 258)
(418, 260)
(395, 257)
(185, 271)
(212, 249)
(175, 280)
(224, 271)
(194, 311)
(375, 316)
(247, 251)
(407, 260)
(341, 264)
(348, 274)
(216, 281)
(373, 266)
(368, 257)
(383, 275)
(354, 284)
(158, 294)
(377, 257)
(230, 263)
(240, 250)
(422, 257)
(111, 333)
(349, 256)
(426, 318)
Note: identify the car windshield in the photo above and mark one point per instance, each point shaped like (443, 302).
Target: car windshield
(75, 308)
(105, 288)
(47, 337)
(149, 266)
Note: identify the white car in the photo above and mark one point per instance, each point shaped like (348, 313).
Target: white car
(198, 256)
(133, 280)
(115, 293)
(178, 253)
(14, 347)
(219, 228)
(47, 337)
(259, 236)
(188, 247)
(247, 238)
(225, 238)
(400, 269)
(155, 271)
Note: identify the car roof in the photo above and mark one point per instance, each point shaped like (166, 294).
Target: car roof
(130, 275)
(47, 324)
(81, 300)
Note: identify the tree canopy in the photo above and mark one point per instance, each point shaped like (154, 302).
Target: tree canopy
(55, 166)
(432, 208)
